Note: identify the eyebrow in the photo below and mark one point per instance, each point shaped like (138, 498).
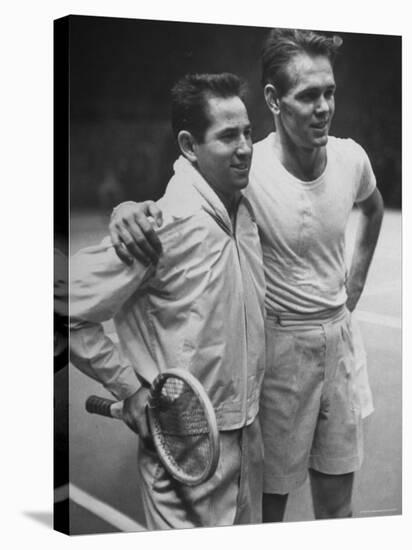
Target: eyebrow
(234, 128)
(316, 89)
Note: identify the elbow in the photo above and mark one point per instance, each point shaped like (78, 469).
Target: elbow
(380, 203)
(380, 209)
(373, 207)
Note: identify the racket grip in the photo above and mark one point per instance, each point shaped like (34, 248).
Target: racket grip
(99, 405)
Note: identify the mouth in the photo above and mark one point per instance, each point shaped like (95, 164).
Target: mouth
(242, 167)
(320, 125)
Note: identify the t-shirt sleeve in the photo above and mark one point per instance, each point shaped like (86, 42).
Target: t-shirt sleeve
(366, 181)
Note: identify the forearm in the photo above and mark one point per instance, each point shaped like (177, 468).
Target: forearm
(99, 285)
(96, 355)
(365, 244)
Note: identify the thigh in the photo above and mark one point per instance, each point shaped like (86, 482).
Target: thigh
(290, 403)
(338, 440)
(361, 370)
(169, 504)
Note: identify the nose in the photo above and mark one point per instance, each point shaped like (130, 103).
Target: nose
(244, 146)
(322, 106)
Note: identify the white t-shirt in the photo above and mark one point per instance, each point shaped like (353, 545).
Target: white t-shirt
(302, 224)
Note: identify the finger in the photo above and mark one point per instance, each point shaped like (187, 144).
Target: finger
(132, 419)
(143, 229)
(149, 443)
(155, 212)
(137, 425)
(119, 247)
(132, 235)
(127, 254)
(136, 244)
(122, 253)
(130, 423)
(144, 431)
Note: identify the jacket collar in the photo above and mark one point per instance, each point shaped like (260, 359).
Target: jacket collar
(186, 178)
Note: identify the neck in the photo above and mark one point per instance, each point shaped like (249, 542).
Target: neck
(230, 202)
(305, 164)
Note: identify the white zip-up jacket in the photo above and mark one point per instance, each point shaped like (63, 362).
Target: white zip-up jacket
(200, 308)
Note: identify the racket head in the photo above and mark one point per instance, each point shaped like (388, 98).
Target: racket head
(183, 426)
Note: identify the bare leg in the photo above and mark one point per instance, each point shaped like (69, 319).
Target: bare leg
(273, 507)
(331, 494)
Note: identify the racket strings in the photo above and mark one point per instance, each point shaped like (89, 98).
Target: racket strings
(179, 410)
(181, 427)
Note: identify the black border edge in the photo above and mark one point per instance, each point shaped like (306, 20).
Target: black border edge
(61, 96)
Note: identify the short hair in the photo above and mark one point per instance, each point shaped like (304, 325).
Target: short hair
(189, 100)
(282, 45)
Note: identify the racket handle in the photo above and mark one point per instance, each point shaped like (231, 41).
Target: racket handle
(104, 407)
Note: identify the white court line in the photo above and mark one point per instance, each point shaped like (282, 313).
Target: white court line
(378, 319)
(379, 511)
(104, 511)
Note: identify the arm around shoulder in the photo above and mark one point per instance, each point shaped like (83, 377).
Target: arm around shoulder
(132, 231)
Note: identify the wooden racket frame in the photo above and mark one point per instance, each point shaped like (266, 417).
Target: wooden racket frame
(213, 435)
(114, 409)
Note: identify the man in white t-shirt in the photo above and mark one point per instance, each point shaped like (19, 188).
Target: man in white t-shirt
(303, 186)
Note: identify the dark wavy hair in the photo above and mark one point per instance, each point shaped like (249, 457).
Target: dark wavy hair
(281, 45)
(189, 100)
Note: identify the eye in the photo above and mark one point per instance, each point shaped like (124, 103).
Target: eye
(248, 133)
(228, 136)
(308, 96)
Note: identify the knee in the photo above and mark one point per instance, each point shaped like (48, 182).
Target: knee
(332, 495)
(333, 509)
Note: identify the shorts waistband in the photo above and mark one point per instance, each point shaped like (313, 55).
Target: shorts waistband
(286, 318)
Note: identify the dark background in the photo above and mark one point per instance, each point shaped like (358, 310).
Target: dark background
(121, 72)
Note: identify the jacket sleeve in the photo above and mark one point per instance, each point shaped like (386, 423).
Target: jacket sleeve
(99, 285)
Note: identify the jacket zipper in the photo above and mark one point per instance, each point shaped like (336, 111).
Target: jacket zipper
(245, 362)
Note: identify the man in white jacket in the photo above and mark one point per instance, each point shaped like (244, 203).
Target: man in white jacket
(200, 307)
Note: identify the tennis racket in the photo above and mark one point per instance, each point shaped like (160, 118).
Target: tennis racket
(182, 423)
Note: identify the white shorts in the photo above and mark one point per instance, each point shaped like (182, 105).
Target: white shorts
(310, 407)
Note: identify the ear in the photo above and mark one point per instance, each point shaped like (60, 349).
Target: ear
(187, 144)
(272, 98)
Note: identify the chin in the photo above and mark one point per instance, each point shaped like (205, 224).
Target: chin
(240, 182)
(243, 183)
(321, 141)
